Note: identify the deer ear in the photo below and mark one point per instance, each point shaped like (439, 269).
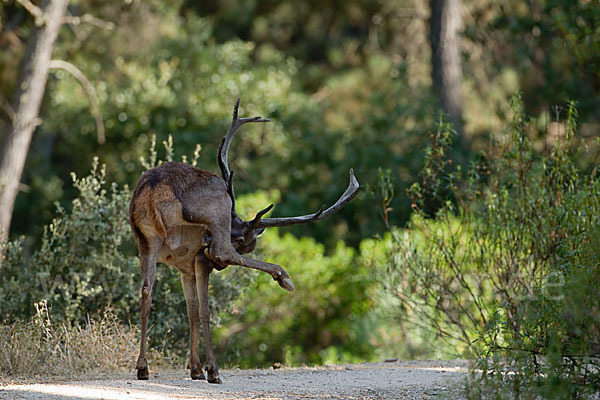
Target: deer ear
(259, 231)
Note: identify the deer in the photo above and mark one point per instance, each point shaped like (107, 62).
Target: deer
(185, 217)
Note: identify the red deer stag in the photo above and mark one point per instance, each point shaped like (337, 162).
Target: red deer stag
(185, 217)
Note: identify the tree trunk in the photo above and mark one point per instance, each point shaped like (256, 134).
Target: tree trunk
(446, 71)
(27, 99)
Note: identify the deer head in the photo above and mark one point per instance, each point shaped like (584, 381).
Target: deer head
(244, 233)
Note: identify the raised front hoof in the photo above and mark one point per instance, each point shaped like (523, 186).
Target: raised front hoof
(216, 261)
(197, 375)
(143, 374)
(286, 283)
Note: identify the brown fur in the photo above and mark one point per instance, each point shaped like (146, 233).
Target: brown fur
(158, 195)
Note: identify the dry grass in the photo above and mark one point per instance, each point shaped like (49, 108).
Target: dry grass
(39, 347)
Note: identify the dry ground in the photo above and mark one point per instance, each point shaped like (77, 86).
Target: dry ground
(390, 380)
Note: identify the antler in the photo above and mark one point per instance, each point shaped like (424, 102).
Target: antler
(258, 222)
(226, 142)
(349, 194)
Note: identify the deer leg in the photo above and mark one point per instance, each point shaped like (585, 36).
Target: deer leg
(222, 252)
(203, 270)
(217, 219)
(148, 257)
(193, 309)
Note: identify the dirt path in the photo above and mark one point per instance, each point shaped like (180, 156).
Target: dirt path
(394, 380)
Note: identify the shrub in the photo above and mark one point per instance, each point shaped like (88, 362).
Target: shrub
(80, 266)
(510, 267)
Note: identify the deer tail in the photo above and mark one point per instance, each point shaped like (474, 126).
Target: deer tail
(157, 221)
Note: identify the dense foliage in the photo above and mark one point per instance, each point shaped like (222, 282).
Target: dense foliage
(182, 83)
(358, 96)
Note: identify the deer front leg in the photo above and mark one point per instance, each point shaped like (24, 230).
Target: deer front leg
(203, 270)
(148, 257)
(193, 309)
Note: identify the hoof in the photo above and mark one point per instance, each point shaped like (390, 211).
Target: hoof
(143, 374)
(286, 283)
(213, 375)
(197, 375)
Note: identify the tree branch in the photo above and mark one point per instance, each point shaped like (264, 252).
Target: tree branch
(34, 10)
(89, 90)
(90, 19)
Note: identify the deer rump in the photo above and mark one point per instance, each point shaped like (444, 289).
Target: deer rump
(185, 217)
(161, 211)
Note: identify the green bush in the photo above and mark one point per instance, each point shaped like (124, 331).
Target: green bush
(508, 269)
(322, 321)
(80, 266)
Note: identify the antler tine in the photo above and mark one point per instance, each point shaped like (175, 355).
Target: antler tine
(349, 194)
(226, 142)
(256, 221)
(235, 109)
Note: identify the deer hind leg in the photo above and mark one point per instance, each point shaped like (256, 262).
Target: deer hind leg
(217, 218)
(193, 309)
(174, 237)
(203, 270)
(148, 257)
